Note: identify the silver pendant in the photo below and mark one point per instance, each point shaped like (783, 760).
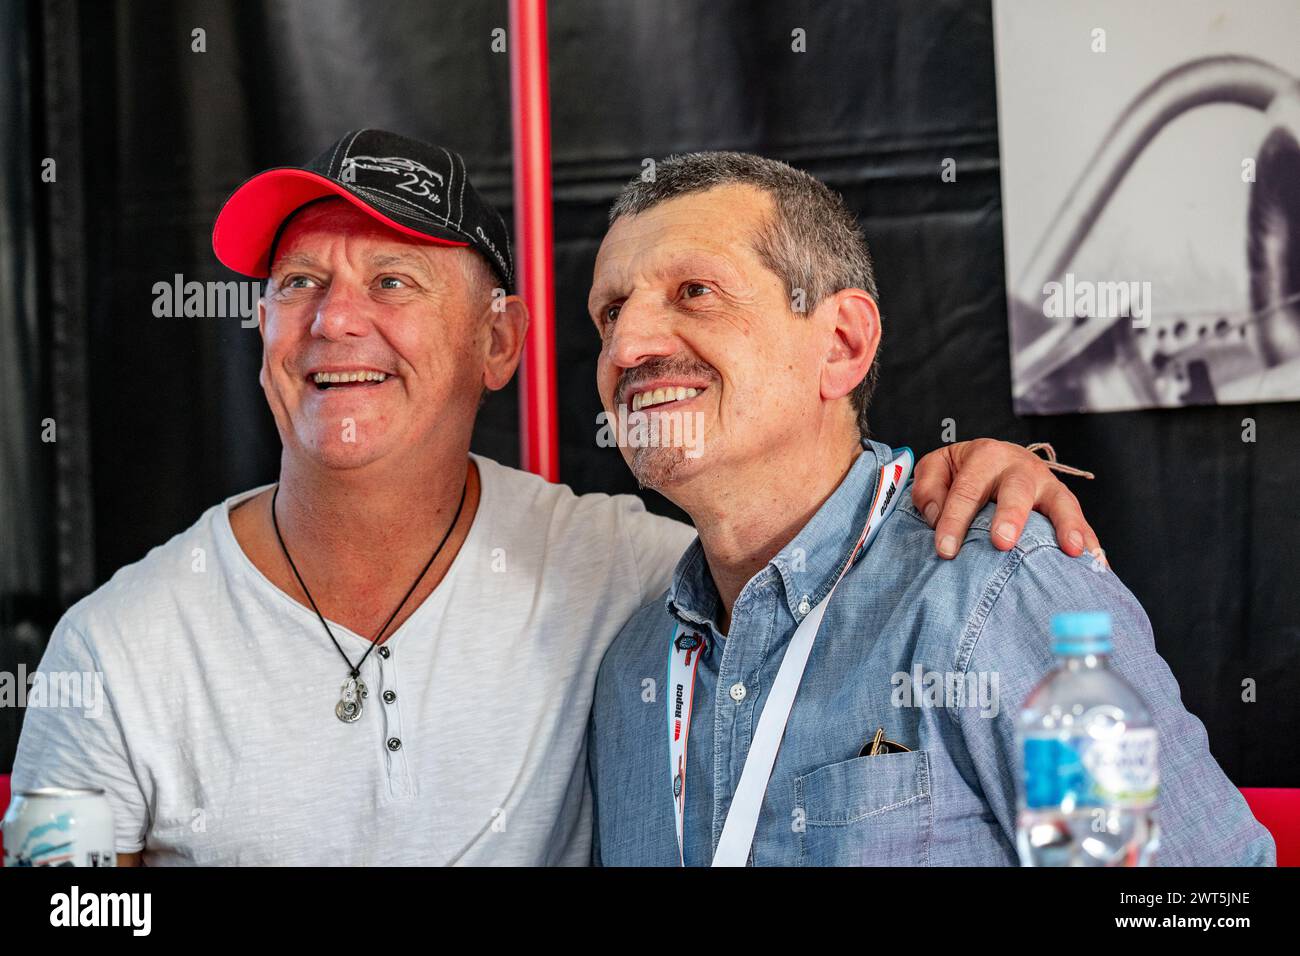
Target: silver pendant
(348, 708)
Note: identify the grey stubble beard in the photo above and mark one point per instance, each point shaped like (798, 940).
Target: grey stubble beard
(657, 467)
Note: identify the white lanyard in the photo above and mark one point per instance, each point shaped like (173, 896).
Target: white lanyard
(683, 659)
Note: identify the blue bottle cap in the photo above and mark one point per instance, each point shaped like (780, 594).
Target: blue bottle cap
(1081, 632)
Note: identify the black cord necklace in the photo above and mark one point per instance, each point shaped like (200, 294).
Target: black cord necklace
(354, 692)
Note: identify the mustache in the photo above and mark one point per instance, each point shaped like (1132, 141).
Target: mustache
(668, 367)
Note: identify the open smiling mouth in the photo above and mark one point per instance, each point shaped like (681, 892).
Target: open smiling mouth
(361, 378)
(663, 396)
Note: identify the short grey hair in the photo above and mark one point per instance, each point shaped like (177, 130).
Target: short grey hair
(812, 242)
(481, 279)
(482, 283)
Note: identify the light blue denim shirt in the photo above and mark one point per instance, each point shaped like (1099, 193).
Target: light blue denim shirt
(981, 618)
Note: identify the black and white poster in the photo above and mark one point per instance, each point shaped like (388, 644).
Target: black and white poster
(1151, 201)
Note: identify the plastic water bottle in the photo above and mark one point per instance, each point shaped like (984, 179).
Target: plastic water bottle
(1088, 774)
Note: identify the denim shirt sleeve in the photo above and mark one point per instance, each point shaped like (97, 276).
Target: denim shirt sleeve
(1203, 818)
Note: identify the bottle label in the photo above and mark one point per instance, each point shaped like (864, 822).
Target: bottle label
(1081, 771)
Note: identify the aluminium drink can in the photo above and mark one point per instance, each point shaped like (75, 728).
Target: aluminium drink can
(57, 826)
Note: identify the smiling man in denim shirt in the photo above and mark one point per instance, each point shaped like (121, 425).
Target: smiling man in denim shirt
(737, 290)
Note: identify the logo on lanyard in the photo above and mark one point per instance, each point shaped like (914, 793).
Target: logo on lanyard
(689, 643)
(892, 489)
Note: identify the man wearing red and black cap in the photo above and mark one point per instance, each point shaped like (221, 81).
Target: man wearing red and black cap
(388, 656)
(416, 190)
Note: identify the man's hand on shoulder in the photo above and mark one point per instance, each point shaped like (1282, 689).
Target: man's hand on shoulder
(954, 482)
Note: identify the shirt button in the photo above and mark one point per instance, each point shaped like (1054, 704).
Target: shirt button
(804, 606)
(394, 743)
(389, 697)
(383, 651)
(737, 692)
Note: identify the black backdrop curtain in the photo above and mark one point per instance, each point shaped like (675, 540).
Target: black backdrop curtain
(160, 418)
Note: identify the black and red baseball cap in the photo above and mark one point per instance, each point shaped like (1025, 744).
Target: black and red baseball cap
(418, 189)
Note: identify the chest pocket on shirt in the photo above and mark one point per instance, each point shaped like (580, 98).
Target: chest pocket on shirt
(868, 811)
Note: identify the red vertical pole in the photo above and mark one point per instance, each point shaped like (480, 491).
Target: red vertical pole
(531, 124)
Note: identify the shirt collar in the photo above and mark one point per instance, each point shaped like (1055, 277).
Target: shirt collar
(692, 597)
(809, 565)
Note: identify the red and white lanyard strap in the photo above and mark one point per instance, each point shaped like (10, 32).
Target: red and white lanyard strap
(684, 657)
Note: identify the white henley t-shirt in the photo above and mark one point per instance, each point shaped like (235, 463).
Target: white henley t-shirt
(216, 740)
